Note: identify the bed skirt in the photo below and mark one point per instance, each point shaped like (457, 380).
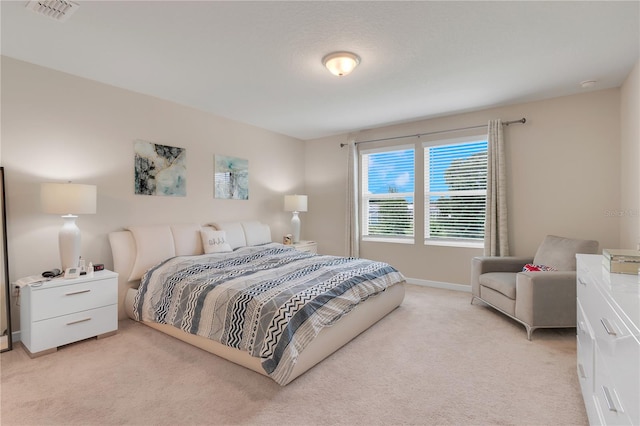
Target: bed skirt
(326, 342)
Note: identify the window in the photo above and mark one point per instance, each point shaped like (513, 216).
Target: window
(387, 194)
(455, 182)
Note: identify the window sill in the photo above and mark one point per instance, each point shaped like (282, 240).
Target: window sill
(459, 243)
(388, 240)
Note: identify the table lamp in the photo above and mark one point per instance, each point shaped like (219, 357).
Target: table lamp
(295, 204)
(68, 199)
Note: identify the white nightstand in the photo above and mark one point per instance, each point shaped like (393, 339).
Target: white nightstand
(310, 246)
(63, 311)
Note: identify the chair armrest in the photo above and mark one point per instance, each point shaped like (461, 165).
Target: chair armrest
(500, 264)
(546, 298)
(483, 264)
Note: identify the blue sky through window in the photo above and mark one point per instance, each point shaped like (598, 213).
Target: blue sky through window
(445, 154)
(395, 169)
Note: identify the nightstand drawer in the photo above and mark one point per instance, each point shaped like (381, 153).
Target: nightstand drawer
(50, 302)
(66, 329)
(310, 246)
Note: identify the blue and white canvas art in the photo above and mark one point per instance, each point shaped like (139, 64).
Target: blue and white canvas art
(231, 178)
(160, 169)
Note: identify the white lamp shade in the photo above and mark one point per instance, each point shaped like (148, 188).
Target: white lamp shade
(68, 198)
(295, 203)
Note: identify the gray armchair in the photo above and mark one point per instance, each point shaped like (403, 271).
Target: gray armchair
(535, 299)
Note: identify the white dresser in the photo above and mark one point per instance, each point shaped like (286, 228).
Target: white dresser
(63, 311)
(608, 342)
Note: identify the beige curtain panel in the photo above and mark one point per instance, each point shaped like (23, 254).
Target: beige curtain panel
(496, 238)
(353, 230)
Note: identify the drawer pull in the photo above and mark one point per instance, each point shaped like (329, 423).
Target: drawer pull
(581, 281)
(77, 292)
(581, 327)
(607, 396)
(79, 321)
(607, 327)
(581, 369)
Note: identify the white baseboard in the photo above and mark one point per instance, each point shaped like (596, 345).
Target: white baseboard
(438, 284)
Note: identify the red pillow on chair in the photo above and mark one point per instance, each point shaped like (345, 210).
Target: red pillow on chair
(530, 267)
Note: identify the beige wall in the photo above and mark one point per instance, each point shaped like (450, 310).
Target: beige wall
(629, 210)
(563, 179)
(565, 170)
(57, 127)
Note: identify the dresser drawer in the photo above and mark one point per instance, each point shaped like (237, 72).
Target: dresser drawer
(612, 410)
(50, 302)
(61, 330)
(585, 351)
(584, 286)
(609, 329)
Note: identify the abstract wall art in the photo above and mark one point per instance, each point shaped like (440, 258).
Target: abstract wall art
(160, 169)
(231, 177)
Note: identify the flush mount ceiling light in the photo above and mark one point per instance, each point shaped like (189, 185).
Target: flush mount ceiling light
(341, 63)
(587, 84)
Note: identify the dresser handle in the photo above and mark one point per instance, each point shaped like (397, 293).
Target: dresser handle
(607, 396)
(581, 281)
(78, 321)
(581, 369)
(78, 292)
(608, 328)
(581, 327)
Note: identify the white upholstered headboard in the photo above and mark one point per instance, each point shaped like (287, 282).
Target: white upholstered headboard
(138, 248)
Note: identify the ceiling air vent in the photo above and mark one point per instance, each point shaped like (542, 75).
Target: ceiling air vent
(60, 10)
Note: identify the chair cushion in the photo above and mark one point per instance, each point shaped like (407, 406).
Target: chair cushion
(560, 253)
(503, 282)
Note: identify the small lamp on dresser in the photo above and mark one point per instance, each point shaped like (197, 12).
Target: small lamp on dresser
(68, 199)
(295, 204)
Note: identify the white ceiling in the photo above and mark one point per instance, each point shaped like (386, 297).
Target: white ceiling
(260, 62)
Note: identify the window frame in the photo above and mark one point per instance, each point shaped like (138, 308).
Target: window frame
(427, 193)
(365, 197)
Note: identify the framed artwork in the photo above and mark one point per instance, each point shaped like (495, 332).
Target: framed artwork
(231, 177)
(160, 169)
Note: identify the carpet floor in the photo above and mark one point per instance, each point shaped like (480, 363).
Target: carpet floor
(436, 360)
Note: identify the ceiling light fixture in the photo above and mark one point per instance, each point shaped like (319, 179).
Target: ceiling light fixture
(341, 63)
(587, 84)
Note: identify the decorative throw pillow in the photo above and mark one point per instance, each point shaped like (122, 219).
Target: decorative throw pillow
(214, 241)
(530, 267)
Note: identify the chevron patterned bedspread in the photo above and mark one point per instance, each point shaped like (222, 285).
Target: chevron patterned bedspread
(268, 300)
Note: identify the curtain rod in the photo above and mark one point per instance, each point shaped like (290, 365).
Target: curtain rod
(506, 123)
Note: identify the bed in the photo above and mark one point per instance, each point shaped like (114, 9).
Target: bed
(228, 289)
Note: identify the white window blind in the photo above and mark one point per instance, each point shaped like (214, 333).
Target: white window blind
(455, 191)
(388, 182)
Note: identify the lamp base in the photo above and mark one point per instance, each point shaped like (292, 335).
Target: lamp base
(295, 227)
(69, 242)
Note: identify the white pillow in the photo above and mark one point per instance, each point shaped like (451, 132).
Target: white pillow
(256, 233)
(235, 233)
(214, 241)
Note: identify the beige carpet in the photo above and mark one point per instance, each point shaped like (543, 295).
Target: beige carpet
(436, 360)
